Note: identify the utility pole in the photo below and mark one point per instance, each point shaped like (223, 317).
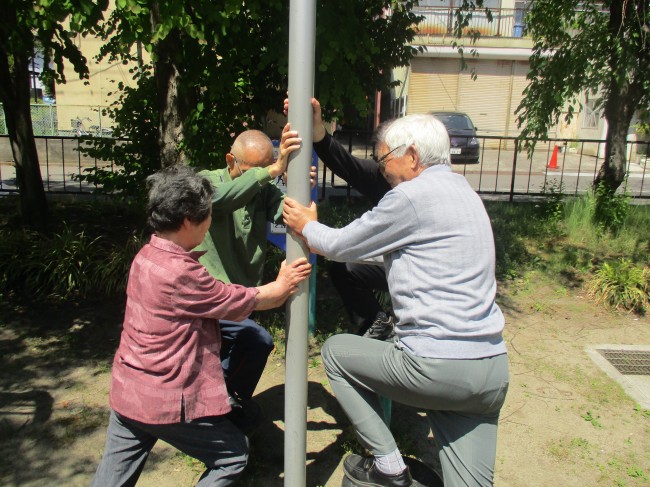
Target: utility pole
(302, 34)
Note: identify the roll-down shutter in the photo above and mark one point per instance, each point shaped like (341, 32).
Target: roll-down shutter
(433, 85)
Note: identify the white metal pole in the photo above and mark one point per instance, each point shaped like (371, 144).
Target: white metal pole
(302, 32)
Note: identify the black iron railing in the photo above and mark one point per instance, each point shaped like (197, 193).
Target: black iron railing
(567, 166)
(61, 160)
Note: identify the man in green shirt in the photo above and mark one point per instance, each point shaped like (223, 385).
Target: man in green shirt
(245, 199)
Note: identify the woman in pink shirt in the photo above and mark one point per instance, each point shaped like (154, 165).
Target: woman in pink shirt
(167, 380)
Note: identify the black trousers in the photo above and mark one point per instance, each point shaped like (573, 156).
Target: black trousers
(356, 284)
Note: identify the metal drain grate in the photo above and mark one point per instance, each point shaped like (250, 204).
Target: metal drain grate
(628, 362)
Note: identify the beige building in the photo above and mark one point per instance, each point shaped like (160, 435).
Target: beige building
(489, 90)
(492, 86)
(79, 102)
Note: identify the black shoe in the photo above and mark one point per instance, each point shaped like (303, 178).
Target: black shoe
(246, 415)
(383, 328)
(361, 471)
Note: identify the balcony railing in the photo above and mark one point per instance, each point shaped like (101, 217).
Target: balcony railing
(439, 21)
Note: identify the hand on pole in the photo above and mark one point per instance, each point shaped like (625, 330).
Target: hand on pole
(289, 143)
(319, 128)
(296, 216)
(275, 293)
(290, 275)
(312, 176)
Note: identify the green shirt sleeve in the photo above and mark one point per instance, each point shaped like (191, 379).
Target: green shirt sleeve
(274, 204)
(232, 194)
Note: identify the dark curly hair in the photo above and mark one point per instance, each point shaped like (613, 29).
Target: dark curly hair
(175, 193)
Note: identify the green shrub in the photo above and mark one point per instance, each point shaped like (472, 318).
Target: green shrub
(610, 209)
(61, 266)
(65, 264)
(132, 154)
(621, 285)
(512, 225)
(553, 207)
(110, 275)
(15, 259)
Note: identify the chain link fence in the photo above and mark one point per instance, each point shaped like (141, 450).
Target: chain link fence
(65, 120)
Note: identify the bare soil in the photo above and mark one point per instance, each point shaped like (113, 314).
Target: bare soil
(565, 422)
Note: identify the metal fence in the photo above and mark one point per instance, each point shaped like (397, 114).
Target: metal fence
(567, 166)
(44, 120)
(60, 159)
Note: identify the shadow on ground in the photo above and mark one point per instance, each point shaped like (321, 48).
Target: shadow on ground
(329, 438)
(267, 444)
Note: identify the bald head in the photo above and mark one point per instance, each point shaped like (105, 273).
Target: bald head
(256, 144)
(252, 148)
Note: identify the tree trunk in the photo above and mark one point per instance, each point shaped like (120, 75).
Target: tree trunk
(619, 109)
(623, 96)
(173, 102)
(15, 94)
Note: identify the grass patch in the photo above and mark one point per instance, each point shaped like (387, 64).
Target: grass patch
(571, 451)
(196, 466)
(565, 241)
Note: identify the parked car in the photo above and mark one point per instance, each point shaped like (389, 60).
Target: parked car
(465, 147)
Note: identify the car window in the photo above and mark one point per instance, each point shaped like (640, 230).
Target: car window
(455, 122)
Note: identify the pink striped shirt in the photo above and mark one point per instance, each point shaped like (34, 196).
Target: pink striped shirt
(169, 349)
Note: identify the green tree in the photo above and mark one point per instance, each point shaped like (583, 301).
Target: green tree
(28, 25)
(601, 48)
(220, 66)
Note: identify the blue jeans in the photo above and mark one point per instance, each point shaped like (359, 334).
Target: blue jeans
(245, 347)
(462, 399)
(213, 440)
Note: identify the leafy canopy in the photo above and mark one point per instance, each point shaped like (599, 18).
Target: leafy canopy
(30, 24)
(582, 47)
(232, 60)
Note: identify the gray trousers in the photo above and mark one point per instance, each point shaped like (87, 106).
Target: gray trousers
(215, 441)
(462, 399)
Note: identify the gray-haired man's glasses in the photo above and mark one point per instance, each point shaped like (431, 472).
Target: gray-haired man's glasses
(383, 160)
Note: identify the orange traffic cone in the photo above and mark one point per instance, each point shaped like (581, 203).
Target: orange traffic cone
(552, 164)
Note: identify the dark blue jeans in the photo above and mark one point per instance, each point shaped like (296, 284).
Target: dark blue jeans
(213, 440)
(245, 347)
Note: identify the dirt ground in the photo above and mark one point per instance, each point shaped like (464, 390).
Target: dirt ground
(565, 422)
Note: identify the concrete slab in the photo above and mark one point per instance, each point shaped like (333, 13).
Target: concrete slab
(636, 386)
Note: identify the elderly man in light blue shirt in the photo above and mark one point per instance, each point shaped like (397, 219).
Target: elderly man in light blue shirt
(435, 240)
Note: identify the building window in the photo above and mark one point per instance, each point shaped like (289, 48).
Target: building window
(591, 115)
(521, 8)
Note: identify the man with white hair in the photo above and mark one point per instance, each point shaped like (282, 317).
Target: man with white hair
(449, 358)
